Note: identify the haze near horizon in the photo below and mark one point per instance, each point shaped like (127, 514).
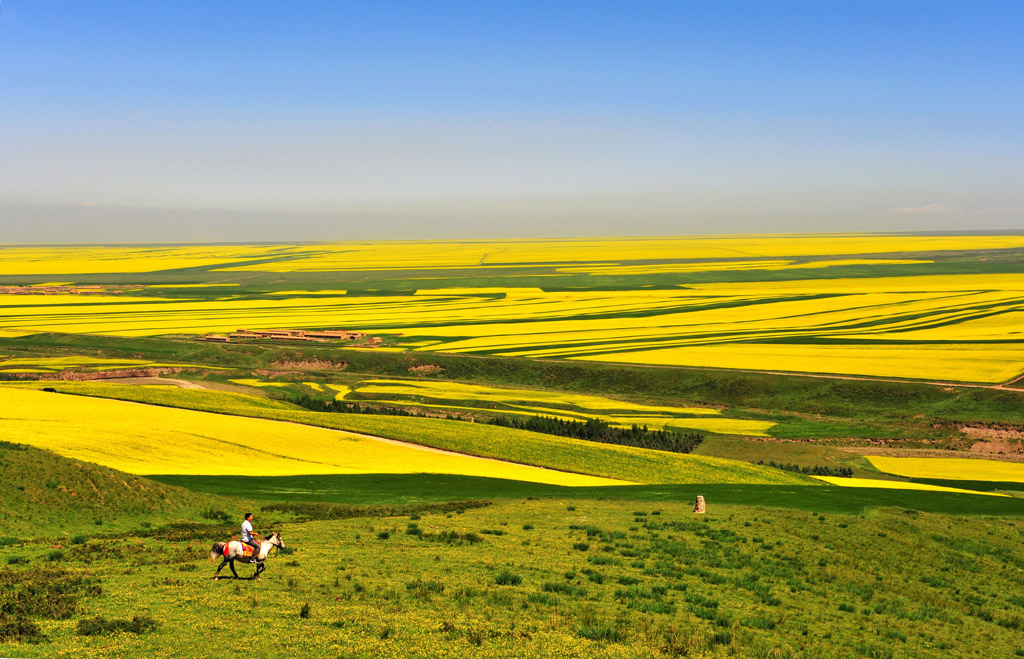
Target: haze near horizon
(194, 122)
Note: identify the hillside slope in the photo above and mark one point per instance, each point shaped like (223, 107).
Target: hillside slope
(524, 447)
(43, 493)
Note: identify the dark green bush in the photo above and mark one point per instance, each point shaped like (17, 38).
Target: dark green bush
(599, 632)
(506, 578)
(99, 625)
(16, 629)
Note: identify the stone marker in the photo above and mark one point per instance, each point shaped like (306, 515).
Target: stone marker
(699, 508)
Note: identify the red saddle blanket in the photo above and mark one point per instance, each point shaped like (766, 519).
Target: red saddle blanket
(247, 550)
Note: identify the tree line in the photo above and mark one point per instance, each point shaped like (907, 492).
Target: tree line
(591, 430)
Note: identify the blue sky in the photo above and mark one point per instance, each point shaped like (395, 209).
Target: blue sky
(333, 120)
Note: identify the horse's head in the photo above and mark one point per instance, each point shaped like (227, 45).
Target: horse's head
(275, 539)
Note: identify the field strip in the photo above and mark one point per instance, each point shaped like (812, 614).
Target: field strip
(825, 376)
(969, 469)
(897, 485)
(146, 439)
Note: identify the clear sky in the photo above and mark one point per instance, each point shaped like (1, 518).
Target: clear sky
(199, 121)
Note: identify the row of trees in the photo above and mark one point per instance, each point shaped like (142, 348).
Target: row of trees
(817, 470)
(591, 430)
(595, 430)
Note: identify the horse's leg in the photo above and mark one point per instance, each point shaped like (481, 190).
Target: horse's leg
(220, 567)
(232, 565)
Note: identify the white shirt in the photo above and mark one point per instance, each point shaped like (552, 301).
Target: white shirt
(246, 531)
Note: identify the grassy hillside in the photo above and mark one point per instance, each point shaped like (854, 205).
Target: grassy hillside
(44, 493)
(552, 578)
(528, 448)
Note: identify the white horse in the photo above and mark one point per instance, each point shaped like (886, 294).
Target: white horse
(235, 552)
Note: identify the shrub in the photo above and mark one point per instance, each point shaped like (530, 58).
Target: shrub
(17, 560)
(8, 540)
(565, 589)
(99, 625)
(56, 555)
(527, 527)
(216, 515)
(413, 529)
(383, 535)
(304, 611)
(599, 632)
(759, 622)
(582, 546)
(19, 630)
(506, 578)
(79, 539)
(424, 589)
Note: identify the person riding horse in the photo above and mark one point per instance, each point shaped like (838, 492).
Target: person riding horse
(248, 537)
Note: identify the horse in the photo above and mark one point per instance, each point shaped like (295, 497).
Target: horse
(234, 552)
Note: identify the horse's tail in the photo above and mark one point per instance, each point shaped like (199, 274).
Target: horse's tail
(217, 551)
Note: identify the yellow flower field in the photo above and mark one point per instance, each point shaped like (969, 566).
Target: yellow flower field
(963, 327)
(432, 394)
(144, 439)
(964, 469)
(55, 364)
(253, 382)
(574, 251)
(419, 255)
(616, 269)
(340, 390)
(897, 485)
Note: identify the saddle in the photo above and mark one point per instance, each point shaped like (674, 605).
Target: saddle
(247, 550)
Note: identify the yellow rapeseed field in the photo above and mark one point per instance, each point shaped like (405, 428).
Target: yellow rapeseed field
(253, 382)
(55, 364)
(340, 389)
(616, 269)
(144, 439)
(963, 327)
(964, 469)
(557, 404)
(897, 485)
(419, 255)
(574, 252)
(75, 259)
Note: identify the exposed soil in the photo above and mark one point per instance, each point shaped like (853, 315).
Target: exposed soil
(990, 433)
(305, 365)
(171, 382)
(426, 369)
(79, 376)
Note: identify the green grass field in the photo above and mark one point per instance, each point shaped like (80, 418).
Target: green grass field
(544, 578)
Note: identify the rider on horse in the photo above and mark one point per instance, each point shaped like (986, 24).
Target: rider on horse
(248, 539)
